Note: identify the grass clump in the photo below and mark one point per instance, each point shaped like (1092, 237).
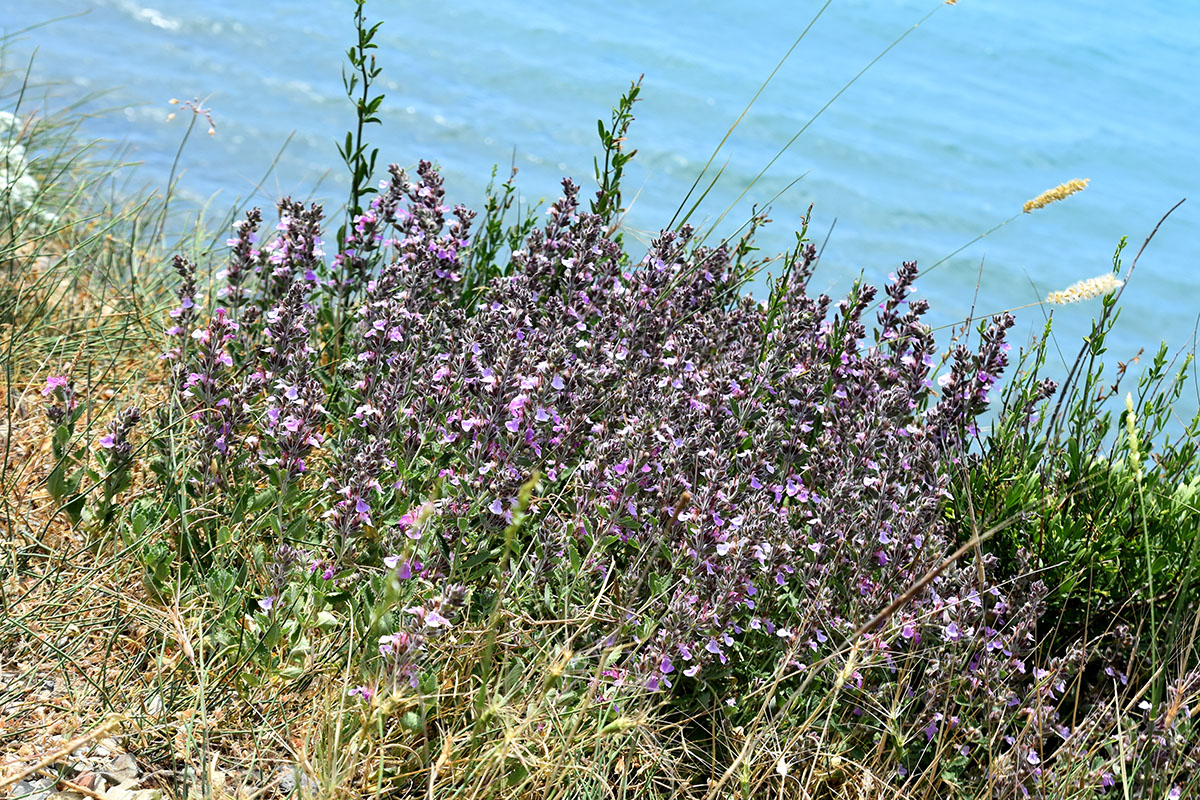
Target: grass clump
(482, 507)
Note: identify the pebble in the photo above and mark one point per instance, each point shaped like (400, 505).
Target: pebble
(124, 792)
(91, 780)
(122, 769)
(286, 780)
(31, 790)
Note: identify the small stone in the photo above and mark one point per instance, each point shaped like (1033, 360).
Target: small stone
(127, 792)
(91, 780)
(106, 747)
(287, 778)
(154, 706)
(25, 790)
(123, 768)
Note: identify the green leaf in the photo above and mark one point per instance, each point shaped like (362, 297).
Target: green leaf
(295, 528)
(55, 484)
(516, 772)
(262, 500)
(292, 672)
(75, 507)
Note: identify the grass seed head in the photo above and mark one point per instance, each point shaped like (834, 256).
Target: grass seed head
(1060, 192)
(1086, 289)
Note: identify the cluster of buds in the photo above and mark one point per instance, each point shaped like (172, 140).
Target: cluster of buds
(116, 440)
(62, 390)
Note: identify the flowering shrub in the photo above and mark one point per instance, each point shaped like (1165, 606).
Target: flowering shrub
(745, 510)
(741, 485)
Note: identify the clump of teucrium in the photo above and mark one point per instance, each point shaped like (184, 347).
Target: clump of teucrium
(740, 485)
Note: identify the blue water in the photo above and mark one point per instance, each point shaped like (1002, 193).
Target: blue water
(980, 108)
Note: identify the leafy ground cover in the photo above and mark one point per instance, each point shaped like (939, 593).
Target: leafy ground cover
(425, 502)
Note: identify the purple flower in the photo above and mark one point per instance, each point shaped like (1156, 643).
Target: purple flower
(54, 383)
(364, 692)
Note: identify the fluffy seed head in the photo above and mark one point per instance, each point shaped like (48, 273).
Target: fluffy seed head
(1086, 290)
(1060, 192)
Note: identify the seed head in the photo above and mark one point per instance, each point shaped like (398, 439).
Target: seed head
(1086, 290)
(1060, 192)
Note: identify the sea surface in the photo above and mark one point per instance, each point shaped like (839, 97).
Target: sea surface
(982, 106)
